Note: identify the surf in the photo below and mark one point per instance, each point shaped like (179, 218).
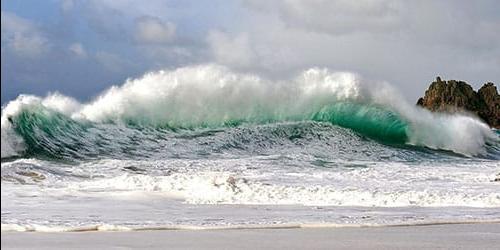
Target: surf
(212, 96)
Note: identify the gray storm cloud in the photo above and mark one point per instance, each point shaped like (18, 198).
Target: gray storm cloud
(406, 43)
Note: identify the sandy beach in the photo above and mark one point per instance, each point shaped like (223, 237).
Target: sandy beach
(458, 236)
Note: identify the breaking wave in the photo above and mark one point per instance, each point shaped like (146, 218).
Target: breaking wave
(208, 97)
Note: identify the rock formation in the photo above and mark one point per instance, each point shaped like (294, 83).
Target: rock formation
(457, 96)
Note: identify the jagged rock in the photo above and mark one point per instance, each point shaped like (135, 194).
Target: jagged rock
(456, 96)
(490, 96)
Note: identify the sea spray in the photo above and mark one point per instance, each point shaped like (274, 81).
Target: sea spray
(211, 96)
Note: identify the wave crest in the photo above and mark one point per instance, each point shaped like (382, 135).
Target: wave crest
(214, 96)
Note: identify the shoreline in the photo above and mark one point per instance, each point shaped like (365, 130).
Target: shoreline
(456, 236)
(14, 228)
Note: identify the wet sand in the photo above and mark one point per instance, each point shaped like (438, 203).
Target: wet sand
(457, 236)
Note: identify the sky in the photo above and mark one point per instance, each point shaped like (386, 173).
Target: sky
(81, 47)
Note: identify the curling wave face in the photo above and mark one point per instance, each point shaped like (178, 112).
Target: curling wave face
(211, 96)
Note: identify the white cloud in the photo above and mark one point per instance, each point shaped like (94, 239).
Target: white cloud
(77, 50)
(133, 8)
(448, 23)
(153, 30)
(335, 16)
(405, 42)
(22, 37)
(231, 50)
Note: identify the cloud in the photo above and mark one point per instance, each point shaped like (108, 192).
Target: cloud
(335, 16)
(153, 30)
(231, 50)
(131, 8)
(126, 20)
(406, 43)
(77, 50)
(22, 37)
(449, 23)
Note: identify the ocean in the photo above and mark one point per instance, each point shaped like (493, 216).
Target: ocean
(206, 147)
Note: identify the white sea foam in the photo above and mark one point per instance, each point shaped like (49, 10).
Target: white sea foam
(11, 143)
(212, 94)
(119, 228)
(462, 132)
(384, 185)
(250, 192)
(220, 189)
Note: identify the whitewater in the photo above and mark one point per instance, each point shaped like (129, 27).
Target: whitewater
(207, 147)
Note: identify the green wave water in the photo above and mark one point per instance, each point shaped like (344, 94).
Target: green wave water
(145, 115)
(48, 133)
(372, 121)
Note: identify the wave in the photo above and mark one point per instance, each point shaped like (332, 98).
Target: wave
(265, 180)
(217, 187)
(212, 96)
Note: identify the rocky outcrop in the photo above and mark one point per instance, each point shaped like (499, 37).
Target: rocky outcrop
(457, 96)
(489, 94)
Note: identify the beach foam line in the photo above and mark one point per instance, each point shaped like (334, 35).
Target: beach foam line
(118, 228)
